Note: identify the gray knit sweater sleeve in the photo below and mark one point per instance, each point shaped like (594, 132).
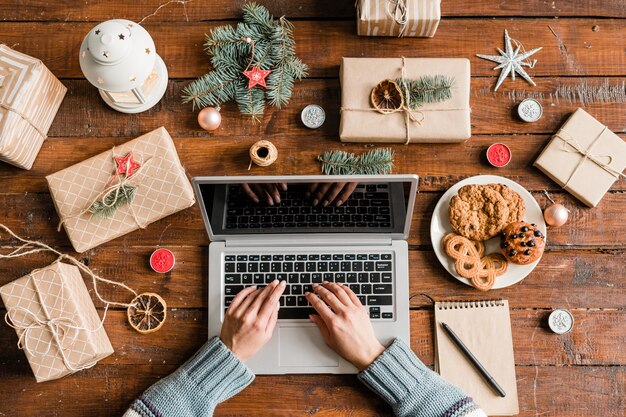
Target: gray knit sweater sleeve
(412, 389)
(212, 375)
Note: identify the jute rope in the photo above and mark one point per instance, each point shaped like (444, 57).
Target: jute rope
(30, 247)
(268, 153)
(26, 118)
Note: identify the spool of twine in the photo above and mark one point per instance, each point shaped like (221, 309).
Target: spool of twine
(263, 153)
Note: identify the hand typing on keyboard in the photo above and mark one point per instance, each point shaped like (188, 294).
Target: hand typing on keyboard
(327, 193)
(344, 323)
(250, 320)
(268, 192)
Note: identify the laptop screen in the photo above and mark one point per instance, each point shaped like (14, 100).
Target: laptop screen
(294, 206)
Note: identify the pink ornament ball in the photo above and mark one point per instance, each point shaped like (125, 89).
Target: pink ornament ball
(209, 118)
(556, 215)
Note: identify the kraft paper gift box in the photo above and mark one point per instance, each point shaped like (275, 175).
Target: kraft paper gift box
(443, 122)
(414, 18)
(584, 157)
(30, 96)
(162, 188)
(56, 321)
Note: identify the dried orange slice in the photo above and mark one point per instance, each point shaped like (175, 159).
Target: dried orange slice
(147, 312)
(387, 97)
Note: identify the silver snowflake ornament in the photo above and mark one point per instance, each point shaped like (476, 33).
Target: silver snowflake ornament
(511, 61)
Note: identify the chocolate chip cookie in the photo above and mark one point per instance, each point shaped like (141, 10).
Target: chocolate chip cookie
(478, 212)
(522, 243)
(517, 207)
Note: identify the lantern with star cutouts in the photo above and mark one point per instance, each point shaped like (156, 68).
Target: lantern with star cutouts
(119, 58)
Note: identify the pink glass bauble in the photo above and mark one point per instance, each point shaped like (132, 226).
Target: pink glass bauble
(555, 215)
(209, 118)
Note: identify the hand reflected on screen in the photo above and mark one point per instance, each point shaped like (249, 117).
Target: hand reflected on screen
(330, 193)
(264, 192)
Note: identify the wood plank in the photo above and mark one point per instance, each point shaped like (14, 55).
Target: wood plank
(186, 330)
(570, 279)
(321, 44)
(586, 227)
(95, 11)
(107, 390)
(492, 113)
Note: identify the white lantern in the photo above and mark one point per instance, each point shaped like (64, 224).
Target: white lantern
(119, 58)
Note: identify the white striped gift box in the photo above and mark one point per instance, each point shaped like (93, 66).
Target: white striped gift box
(384, 17)
(30, 96)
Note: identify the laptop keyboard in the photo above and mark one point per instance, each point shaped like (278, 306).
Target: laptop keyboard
(368, 206)
(369, 275)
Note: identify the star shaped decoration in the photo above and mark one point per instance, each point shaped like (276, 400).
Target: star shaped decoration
(148, 51)
(126, 165)
(121, 36)
(98, 32)
(511, 61)
(257, 76)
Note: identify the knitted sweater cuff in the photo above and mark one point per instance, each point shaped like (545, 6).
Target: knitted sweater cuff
(404, 382)
(212, 375)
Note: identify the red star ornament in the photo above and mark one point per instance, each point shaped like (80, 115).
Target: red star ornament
(256, 76)
(126, 165)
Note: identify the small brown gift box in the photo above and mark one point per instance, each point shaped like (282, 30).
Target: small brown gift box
(414, 18)
(56, 322)
(162, 188)
(584, 157)
(443, 122)
(30, 96)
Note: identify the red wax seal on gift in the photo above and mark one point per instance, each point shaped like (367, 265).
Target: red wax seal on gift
(162, 260)
(499, 155)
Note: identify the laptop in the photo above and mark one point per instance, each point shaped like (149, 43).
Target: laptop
(359, 241)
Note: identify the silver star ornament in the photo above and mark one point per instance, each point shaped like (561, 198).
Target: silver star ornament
(511, 61)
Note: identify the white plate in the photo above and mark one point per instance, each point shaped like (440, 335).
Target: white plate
(440, 226)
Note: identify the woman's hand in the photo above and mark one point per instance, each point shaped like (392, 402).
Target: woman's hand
(251, 318)
(268, 192)
(329, 192)
(344, 323)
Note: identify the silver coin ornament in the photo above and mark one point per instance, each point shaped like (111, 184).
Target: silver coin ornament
(561, 321)
(313, 116)
(530, 110)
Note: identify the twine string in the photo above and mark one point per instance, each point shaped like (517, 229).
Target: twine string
(59, 327)
(397, 10)
(576, 147)
(530, 64)
(263, 161)
(29, 247)
(26, 118)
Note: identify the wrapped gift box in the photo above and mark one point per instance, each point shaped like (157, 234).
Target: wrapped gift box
(584, 157)
(56, 321)
(162, 188)
(442, 122)
(30, 96)
(415, 18)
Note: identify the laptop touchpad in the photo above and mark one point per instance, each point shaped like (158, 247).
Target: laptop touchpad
(304, 346)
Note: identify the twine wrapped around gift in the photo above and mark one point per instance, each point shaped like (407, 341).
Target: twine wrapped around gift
(113, 189)
(576, 147)
(397, 10)
(410, 116)
(59, 327)
(26, 118)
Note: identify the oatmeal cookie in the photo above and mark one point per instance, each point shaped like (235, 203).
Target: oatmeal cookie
(478, 212)
(517, 207)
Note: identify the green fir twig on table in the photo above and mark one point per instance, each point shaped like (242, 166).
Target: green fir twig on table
(274, 49)
(375, 162)
(426, 89)
(112, 201)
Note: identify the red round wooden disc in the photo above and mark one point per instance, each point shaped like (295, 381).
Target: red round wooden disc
(499, 155)
(162, 260)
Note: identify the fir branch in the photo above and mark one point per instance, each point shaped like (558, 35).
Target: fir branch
(426, 89)
(112, 201)
(375, 162)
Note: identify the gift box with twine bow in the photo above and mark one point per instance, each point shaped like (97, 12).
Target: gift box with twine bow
(412, 18)
(584, 157)
(56, 322)
(30, 96)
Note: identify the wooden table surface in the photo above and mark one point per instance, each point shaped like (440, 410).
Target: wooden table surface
(582, 64)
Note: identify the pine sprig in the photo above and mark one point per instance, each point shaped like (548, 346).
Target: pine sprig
(112, 201)
(274, 49)
(375, 162)
(426, 89)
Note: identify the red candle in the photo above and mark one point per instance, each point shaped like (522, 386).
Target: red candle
(499, 155)
(162, 260)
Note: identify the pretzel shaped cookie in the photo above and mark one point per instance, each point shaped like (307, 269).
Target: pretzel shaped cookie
(492, 266)
(464, 252)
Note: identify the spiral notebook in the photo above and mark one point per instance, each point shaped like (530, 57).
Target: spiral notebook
(485, 328)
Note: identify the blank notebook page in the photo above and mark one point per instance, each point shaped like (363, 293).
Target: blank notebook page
(485, 328)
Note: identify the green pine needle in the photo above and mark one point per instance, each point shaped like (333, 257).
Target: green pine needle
(274, 49)
(107, 207)
(375, 162)
(426, 89)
